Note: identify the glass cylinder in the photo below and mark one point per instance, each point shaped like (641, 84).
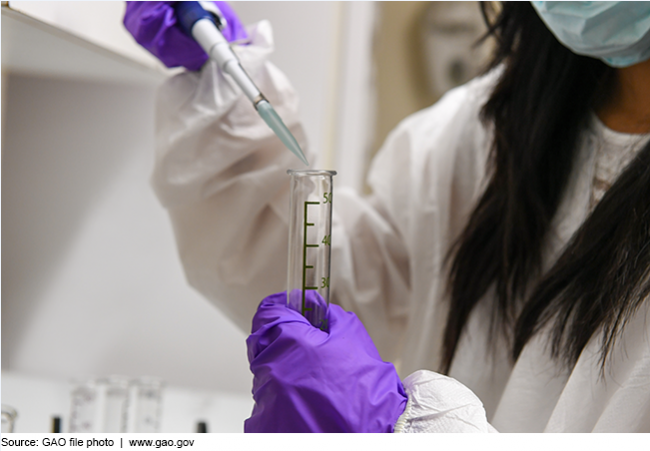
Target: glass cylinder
(114, 405)
(310, 238)
(9, 415)
(147, 404)
(84, 403)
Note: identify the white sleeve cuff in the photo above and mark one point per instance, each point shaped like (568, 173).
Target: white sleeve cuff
(438, 403)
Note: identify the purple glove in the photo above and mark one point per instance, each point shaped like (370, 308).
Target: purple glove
(307, 380)
(153, 25)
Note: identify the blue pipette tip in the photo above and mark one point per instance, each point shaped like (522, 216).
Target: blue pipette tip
(273, 120)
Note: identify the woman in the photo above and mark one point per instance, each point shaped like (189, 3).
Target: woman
(506, 242)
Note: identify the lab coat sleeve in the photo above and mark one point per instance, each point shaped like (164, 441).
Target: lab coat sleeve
(221, 174)
(438, 403)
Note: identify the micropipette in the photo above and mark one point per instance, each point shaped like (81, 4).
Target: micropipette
(204, 27)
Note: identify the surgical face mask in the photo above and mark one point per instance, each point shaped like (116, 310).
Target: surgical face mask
(616, 32)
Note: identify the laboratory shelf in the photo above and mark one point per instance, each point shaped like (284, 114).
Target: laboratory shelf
(36, 48)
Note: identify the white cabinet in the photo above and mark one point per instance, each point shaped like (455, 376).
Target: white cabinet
(79, 40)
(97, 22)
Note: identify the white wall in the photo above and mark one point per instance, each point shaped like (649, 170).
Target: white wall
(98, 22)
(91, 280)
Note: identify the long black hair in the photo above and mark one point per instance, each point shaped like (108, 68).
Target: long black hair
(538, 110)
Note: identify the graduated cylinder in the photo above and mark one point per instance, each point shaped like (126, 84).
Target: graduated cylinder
(310, 238)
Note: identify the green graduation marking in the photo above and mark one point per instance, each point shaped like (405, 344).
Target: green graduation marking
(305, 266)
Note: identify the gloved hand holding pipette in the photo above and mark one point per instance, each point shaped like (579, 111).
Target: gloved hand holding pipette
(154, 26)
(205, 26)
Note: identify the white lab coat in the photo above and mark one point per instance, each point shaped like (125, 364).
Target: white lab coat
(221, 174)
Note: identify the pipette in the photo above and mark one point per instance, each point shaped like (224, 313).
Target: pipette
(204, 27)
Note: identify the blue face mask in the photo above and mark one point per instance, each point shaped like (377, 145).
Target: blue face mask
(616, 32)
